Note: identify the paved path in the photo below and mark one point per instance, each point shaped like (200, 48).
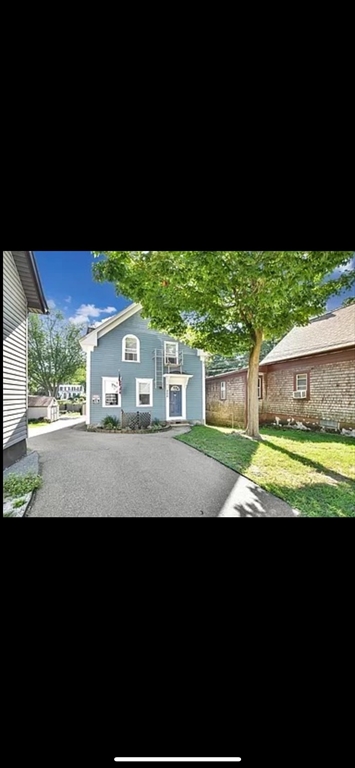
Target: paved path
(91, 475)
(62, 423)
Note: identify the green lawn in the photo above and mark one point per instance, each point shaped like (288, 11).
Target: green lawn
(314, 472)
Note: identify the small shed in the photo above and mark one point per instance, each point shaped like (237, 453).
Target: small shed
(42, 408)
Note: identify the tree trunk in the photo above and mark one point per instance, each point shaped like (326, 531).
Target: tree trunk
(253, 376)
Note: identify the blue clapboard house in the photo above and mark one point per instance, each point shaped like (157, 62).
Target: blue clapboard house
(133, 369)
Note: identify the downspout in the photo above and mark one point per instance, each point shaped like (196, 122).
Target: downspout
(88, 385)
(203, 390)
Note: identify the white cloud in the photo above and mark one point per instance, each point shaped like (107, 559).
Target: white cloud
(86, 312)
(51, 304)
(68, 300)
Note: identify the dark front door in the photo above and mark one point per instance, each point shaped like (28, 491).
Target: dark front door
(175, 401)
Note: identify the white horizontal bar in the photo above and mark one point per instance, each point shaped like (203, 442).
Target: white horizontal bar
(177, 759)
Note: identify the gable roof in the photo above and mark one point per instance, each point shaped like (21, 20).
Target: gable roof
(37, 401)
(91, 339)
(226, 373)
(333, 330)
(31, 282)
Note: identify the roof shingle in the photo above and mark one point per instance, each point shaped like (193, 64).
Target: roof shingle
(334, 330)
(39, 401)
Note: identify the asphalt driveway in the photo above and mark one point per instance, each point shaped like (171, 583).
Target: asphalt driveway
(86, 474)
(91, 475)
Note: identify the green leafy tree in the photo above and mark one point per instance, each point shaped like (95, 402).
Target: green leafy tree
(54, 352)
(79, 376)
(349, 301)
(217, 364)
(227, 302)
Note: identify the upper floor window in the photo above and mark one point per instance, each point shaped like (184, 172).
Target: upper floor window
(171, 352)
(131, 349)
(223, 390)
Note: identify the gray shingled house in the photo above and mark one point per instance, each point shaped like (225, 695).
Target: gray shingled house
(22, 293)
(309, 377)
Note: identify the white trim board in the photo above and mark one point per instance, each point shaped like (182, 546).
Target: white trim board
(203, 390)
(88, 384)
(91, 339)
(178, 759)
(182, 379)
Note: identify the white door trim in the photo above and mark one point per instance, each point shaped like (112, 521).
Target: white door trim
(88, 384)
(182, 380)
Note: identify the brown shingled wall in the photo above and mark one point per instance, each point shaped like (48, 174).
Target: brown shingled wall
(332, 394)
(229, 412)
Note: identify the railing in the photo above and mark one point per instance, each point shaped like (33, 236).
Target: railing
(164, 363)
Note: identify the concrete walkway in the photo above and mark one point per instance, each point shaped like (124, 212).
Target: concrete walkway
(88, 474)
(62, 423)
(249, 500)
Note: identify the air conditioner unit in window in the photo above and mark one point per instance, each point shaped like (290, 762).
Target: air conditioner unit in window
(300, 394)
(172, 361)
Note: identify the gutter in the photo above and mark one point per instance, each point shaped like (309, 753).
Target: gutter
(37, 279)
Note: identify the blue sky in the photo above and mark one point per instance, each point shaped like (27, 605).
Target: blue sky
(68, 285)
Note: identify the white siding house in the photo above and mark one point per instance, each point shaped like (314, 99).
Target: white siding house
(67, 391)
(22, 293)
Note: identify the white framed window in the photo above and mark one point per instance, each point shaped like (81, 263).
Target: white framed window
(144, 393)
(260, 387)
(302, 382)
(130, 349)
(223, 390)
(111, 397)
(171, 352)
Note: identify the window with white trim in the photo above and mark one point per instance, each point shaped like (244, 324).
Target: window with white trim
(131, 349)
(144, 393)
(171, 352)
(260, 387)
(301, 382)
(111, 397)
(223, 390)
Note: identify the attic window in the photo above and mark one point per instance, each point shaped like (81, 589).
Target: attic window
(130, 349)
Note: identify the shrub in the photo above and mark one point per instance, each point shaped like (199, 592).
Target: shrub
(19, 485)
(111, 422)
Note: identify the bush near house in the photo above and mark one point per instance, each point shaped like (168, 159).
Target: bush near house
(313, 472)
(111, 422)
(18, 485)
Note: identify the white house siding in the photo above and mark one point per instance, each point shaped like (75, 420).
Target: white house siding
(14, 355)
